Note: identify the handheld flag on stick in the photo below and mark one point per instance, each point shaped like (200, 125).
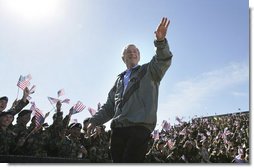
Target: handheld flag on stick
(53, 100)
(170, 144)
(165, 125)
(60, 92)
(66, 101)
(156, 135)
(92, 111)
(179, 120)
(39, 118)
(24, 81)
(78, 107)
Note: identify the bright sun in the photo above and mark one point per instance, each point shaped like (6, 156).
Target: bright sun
(33, 10)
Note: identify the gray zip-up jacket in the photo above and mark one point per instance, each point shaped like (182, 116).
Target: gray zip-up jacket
(140, 109)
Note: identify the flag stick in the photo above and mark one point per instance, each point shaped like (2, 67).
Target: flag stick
(17, 93)
(52, 106)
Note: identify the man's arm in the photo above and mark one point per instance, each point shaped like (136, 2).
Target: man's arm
(162, 60)
(105, 113)
(21, 103)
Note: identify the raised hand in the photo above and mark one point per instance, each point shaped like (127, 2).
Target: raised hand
(58, 106)
(90, 129)
(26, 93)
(161, 30)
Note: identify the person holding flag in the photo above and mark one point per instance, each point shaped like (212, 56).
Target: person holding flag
(18, 105)
(132, 102)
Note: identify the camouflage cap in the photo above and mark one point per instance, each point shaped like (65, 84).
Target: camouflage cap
(75, 125)
(24, 112)
(4, 98)
(5, 113)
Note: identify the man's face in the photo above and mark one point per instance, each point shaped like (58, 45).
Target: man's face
(25, 118)
(75, 132)
(3, 104)
(6, 120)
(131, 56)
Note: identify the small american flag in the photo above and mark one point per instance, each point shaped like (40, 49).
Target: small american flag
(39, 119)
(165, 125)
(156, 135)
(33, 107)
(92, 111)
(24, 81)
(53, 100)
(78, 107)
(60, 92)
(170, 144)
(179, 120)
(66, 101)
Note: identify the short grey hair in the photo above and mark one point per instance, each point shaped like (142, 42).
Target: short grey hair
(127, 46)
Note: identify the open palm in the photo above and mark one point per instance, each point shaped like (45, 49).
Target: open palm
(161, 31)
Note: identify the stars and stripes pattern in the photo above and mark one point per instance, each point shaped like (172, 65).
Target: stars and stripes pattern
(78, 107)
(39, 118)
(24, 81)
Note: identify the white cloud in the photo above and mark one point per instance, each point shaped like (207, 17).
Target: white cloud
(190, 95)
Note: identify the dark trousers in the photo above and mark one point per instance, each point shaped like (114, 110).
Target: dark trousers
(129, 144)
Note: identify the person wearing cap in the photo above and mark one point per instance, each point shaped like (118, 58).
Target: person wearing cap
(99, 149)
(17, 105)
(3, 103)
(21, 129)
(71, 147)
(85, 140)
(7, 143)
(133, 100)
(55, 132)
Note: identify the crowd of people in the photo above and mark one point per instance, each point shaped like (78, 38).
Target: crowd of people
(215, 139)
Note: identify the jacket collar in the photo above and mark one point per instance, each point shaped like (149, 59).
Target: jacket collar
(135, 68)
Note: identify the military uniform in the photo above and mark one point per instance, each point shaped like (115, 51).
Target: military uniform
(71, 146)
(7, 142)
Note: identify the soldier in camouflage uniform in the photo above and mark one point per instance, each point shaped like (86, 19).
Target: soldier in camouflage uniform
(21, 130)
(7, 142)
(7, 136)
(3, 103)
(84, 139)
(36, 143)
(55, 133)
(71, 146)
(17, 105)
(100, 145)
